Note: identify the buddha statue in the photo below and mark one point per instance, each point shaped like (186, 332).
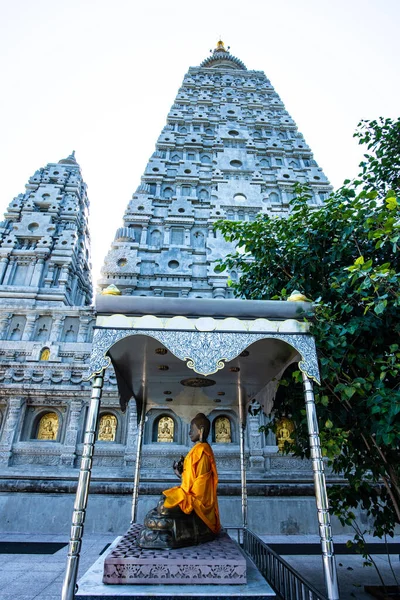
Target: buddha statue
(284, 430)
(187, 514)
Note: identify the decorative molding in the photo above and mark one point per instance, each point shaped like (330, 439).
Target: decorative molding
(206, 352)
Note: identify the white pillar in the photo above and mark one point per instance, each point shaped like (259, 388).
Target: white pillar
(4, 322)
(56, 329)
(321, 496)
(83, 328)
(143, 236)
(3, 267)
(82, 491)
(135, 494)
(29, 326)
(242, 430)
(37, 273)
(14, 414)
(71, 438)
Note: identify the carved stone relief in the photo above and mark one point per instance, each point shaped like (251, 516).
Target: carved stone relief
(48, 427)
(165, 430)
(284, 431)
(205, 352)
(107, 428)
(222, 430)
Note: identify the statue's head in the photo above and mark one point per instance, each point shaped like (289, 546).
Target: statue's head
(199, 428)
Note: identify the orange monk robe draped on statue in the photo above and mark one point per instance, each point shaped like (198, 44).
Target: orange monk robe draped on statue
(198, 490)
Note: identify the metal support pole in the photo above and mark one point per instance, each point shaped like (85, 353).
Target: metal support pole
(82, 491)
(321, 496)
(242, 429)
(135, 494)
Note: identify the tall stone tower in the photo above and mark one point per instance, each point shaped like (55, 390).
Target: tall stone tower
(229, 150)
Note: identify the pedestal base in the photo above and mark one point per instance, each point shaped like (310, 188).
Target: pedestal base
(91, 587)
(217, 562)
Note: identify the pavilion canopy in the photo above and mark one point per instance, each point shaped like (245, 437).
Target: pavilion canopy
(193, 361)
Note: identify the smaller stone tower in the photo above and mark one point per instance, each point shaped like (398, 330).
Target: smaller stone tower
(44, 248)
(46, 318)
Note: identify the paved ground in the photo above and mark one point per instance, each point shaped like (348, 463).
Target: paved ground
(36, 576)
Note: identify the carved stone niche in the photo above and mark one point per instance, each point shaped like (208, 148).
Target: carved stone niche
(70, 329)
(224, 427)
(111, 429)
(37, 353)
(16, 328)
(43, 329)
(43, 424)
(163, 426)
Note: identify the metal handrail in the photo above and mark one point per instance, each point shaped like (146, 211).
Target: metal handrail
(285, 580)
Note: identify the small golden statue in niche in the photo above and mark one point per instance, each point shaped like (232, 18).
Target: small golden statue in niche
(107, 428)
(222, 430)
(284, 430)
(44, 354)
(165, 431)
(48, 427)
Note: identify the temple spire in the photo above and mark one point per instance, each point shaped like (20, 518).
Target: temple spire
(221, 58)
(229, 150)
(70, 160)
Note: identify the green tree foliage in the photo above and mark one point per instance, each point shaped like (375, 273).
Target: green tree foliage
(345, 256)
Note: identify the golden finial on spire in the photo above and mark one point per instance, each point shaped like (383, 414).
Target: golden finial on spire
(220, 45)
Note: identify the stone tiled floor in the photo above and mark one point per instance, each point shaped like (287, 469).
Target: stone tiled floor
(29, 577)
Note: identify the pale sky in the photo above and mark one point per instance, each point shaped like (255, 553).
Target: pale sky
(99, 77)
